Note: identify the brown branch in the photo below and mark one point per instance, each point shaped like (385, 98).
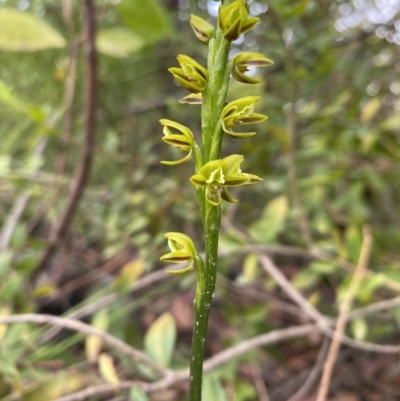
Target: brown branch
(83, 169)
(107, 300)
(323, 322)
(313, 376)
(87, 330)
(343, 315)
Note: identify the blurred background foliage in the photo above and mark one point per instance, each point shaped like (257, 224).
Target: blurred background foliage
(329, 155)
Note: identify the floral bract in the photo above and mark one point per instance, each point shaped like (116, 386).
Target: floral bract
(218, 175)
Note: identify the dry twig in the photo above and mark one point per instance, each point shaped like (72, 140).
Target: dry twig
(343, 315)
(83, 169)
(88, 330)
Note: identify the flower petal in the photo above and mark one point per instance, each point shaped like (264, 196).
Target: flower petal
(181, 271)
(199, 180)
(233, 163)
(235, 180)
(177, 257)
(193, 98)
(181, 240)
(180, 161)
(225, 195)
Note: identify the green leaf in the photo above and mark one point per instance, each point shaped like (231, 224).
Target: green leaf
(359, 328)
(129, 274)
(23, 32)
(160, 339)
(107, 369)
(55, 388)
(305, 279)
(147, 19)
(272, 221)
(118, 42)
(93, 344)
(137, 394)
(249, 270)
(353, 242)
(212, 389)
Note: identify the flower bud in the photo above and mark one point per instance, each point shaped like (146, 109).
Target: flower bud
(233, 20)
(191, 75)
(203, 30)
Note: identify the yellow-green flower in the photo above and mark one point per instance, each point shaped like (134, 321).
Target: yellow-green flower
(218, 175)
(191, 75)
(183, 141)
(243, 60)
(182, 251)
(233, 20)
(240, 112)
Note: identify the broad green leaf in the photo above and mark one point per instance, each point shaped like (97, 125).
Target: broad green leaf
(118, 42)
(353, 243)
(93, 344)
(107, 369)
(23, 32)
(249, 270)
(160, 339)
(129, 274)
(55, 388)
(137, 394)
(369, 285)
(212, 389)
(272, 221)
(9, 98)
(370, 109)
(147, 19)
(359, 328)
(391, 123)
(321, 267)
(44, 290)
(4, 312)
(305, 279)
(5, 261)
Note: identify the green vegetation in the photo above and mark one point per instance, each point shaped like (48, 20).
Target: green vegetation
(85, 202)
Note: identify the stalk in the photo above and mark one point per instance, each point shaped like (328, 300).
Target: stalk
(213, 175)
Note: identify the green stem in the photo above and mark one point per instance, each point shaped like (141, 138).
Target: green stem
(214, 98)
(203, 300)
(215, 93)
